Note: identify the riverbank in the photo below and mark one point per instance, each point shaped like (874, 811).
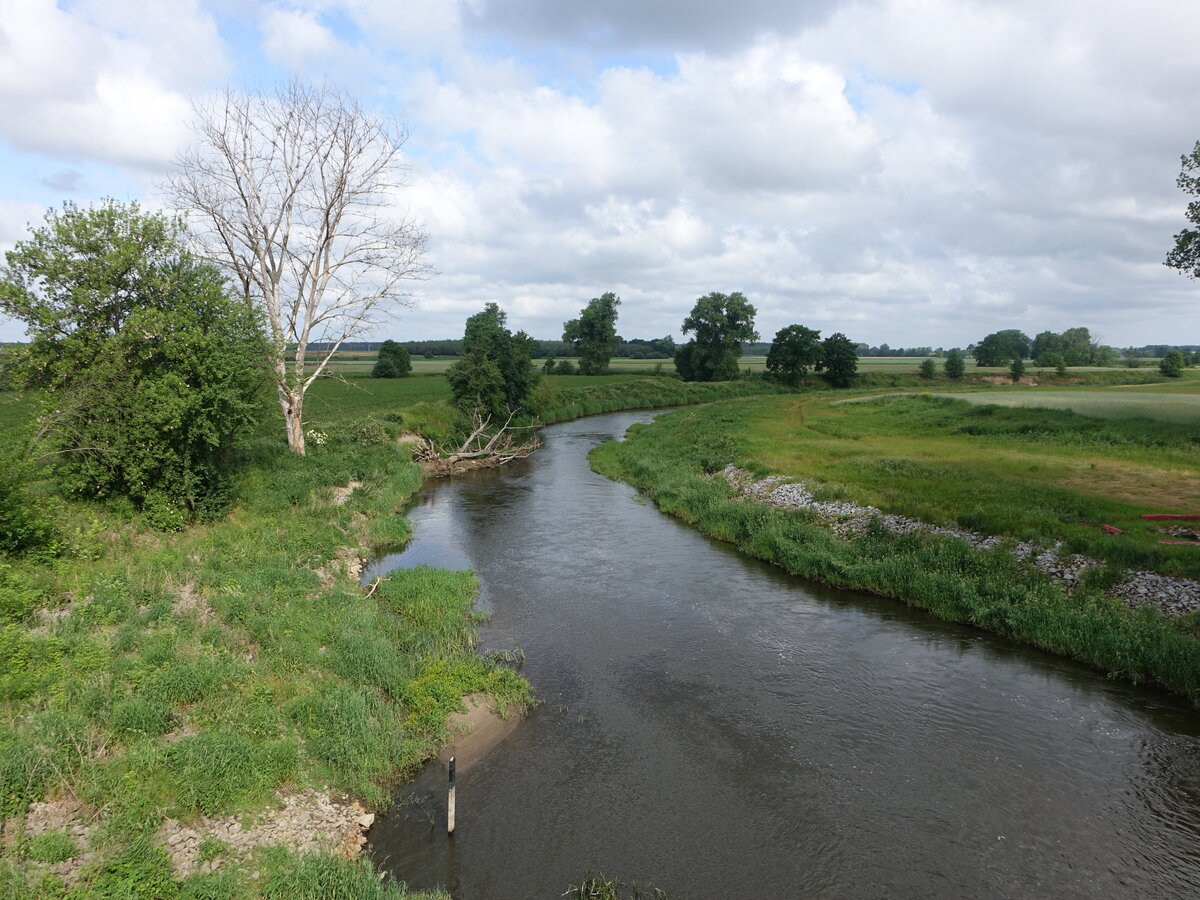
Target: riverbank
(218, 711)
(675, 459)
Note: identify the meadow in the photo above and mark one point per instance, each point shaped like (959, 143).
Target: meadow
(1180, 405)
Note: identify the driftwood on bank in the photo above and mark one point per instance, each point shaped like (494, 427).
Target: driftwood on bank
(480, 450)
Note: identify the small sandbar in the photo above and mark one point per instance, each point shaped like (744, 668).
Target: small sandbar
(476, 732)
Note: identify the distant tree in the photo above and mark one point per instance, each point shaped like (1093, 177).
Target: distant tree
(953, 366)
(594, 334)
(928, 369)
(147, 369)
(1172, 365)
(1017, 369)
(1078, 347)
(1047, 342)
(721, 323)
(495, 374)
(839, 360)
(1001, 347)
(1061, 368)
(1132, 357)
(1050, 359)
(548, 366)
(794, 351)
(1185, 255)
(393, 361)
(565, 367)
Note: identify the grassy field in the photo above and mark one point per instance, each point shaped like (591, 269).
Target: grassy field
(1032, 474)
(1181, 405)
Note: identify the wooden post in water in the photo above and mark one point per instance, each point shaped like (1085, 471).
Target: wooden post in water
(450, 801)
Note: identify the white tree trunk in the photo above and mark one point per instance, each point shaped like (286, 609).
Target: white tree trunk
(293, 409)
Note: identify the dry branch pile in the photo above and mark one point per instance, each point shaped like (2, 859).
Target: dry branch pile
(481, 449)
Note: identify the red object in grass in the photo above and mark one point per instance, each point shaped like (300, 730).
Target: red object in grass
(1170, 516)
(1111, 529)
(1183, 543)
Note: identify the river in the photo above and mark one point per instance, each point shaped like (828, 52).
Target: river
(717, 728)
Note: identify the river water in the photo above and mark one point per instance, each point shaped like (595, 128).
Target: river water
(718, 729)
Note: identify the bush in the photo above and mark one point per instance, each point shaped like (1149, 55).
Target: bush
(564, 367)
(23, 526)
(928, 369)
(1172, 364)
(384, 368)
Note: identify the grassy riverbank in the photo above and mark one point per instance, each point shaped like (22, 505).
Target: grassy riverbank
(1030, 474)
(148, 676)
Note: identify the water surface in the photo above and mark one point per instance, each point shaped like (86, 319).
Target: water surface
(717, 728)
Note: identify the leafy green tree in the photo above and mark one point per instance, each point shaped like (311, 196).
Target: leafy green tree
(1050, 359)
(928, 369)
(393, 362)
(494, 376)
(954, 366)
(148, 369)
(1173, 364)
(548, 366)
(1185, 255)
(594, 334)
(1047, 342)
(794, 351)
(839, 360)
(1001, 347)
(721, 323)
(1017, 369)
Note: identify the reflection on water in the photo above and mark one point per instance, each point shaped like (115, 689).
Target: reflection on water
(717, 728)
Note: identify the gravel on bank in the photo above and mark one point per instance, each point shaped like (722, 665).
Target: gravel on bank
(1174, 596)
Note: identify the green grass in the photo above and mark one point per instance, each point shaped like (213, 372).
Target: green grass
(1027, 473)
(1181, 405)
(909, 455)
(199, 673)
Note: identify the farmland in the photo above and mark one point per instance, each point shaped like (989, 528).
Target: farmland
(1169, 403)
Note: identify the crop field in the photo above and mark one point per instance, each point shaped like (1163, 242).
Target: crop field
(1181, 405)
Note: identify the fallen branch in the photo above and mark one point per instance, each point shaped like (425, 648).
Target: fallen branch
(479, 450)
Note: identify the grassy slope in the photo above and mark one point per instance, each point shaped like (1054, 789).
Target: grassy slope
(156, 675)
(906, 455)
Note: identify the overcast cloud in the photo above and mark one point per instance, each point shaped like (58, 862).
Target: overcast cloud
(908, 171)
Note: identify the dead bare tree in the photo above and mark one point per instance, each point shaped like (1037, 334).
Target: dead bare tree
(479, 450)
(295, 193)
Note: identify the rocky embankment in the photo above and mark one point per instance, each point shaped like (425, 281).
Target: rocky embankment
(302, 822)
(1174, 596)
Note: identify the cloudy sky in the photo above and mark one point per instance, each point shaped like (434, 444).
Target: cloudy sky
(905, 171)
